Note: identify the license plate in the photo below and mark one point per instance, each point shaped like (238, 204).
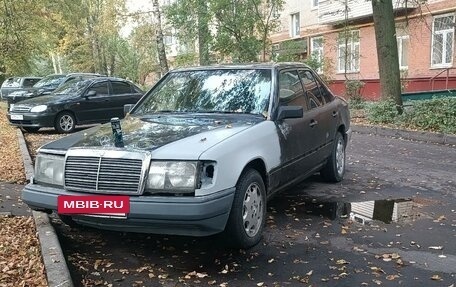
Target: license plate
(97, 205)
(17, 117)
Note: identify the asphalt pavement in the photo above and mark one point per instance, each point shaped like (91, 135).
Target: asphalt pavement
(391, 222)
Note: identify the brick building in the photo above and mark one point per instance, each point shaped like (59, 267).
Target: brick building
(340, 34)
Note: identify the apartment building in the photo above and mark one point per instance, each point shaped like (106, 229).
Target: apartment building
(340, 34)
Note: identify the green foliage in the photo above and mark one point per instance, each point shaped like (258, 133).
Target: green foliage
(434, 115)
(383, 112)
(353, 93)
(438, 115)
(240, 29)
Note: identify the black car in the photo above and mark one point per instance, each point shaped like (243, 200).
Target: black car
(91, 101)
(14, 84)
(46, 85)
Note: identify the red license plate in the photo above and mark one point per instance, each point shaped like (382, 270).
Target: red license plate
(94, 204)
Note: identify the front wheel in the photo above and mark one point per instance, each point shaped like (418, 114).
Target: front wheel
(334, 169)
(248, 213)
(65, 122)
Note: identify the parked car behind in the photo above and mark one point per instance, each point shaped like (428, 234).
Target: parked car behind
(202, 152)
(77, 102)
(14, 84)
(46, 85)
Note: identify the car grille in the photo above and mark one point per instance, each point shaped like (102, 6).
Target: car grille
(20, 109)
(102, 174)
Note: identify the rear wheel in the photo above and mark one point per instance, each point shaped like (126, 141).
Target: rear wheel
(31, 129)
(334, 169)
(246, 222)
(65, 122)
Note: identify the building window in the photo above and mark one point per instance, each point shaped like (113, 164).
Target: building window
(295, 25)
(442, 40)
(316, 49)
(402, 48)
(348, 52)
(314, 4)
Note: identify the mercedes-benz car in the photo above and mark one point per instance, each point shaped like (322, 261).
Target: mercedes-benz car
(201, 152)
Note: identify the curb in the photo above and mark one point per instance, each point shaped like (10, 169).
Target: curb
(57, 272)
(406, 134)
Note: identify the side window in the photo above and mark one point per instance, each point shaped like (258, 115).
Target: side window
(119, 88)
(312, 88)
(291, 92)
(28, 82)
(100, 88)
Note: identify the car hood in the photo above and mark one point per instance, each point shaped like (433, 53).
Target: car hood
(178, 132)
(44, 100)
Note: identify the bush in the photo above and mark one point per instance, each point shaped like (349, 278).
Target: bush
(383, 112)
(434, 115)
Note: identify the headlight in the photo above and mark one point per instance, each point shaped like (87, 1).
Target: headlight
(38, 109)
(179, 176)
(49, 169)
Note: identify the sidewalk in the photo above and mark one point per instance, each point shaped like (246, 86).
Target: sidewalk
(10, 200)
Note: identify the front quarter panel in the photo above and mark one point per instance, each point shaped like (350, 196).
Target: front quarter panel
(233, 154)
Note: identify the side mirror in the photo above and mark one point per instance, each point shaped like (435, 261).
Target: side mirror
(290, 112)
(128, 108)
(91, 93)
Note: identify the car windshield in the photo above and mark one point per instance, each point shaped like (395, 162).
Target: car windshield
(71, 87)
(206, 91)
(50, 81)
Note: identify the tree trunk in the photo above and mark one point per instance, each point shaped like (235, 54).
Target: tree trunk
(387, 53)
(159, 38)
(203, 33)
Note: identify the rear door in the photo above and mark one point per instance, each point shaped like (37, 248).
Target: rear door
(122, 93)
(324, 111)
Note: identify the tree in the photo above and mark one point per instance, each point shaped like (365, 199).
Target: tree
(159, 38)
(239, 29)
(387, 53)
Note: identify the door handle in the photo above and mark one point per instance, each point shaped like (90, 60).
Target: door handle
(313, 123)
(334, 114)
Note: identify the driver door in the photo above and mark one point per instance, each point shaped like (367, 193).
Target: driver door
(297, 136)
(96, 108)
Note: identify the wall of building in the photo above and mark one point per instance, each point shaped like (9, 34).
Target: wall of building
(418, 26)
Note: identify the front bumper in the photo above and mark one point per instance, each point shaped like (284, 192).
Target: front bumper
(194, 216)
(38, 120)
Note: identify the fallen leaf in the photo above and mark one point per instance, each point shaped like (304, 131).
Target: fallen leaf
(342, 261)
(436, 277)
(436, 247)
(392, 277)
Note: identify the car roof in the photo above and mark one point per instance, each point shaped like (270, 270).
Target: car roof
(268, 65)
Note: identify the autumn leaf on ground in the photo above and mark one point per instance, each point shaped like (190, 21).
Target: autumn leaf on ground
(342, 261)
(436, 277)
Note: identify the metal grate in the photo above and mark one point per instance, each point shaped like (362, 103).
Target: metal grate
(20, 109)
(100, 174)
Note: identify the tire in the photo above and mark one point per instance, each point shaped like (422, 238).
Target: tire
(334, 170)
(68, 221)
(65, 122)
(30, 129)
(248, 213)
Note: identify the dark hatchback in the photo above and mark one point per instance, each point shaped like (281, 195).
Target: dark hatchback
(91, 101)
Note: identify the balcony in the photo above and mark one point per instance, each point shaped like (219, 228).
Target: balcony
(336, 11)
